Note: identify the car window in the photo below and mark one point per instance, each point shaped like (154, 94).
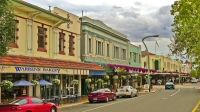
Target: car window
(107, 90)
(36, 100)
(124, 87)
(99, 91)
(19, 101)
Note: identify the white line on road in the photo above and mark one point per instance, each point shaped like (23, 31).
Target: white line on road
(175, 92)
(156, 90)
(113, 103)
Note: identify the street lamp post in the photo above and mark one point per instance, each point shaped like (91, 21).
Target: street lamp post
(147, 53)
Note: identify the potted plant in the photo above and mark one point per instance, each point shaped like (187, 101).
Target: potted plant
(6, 84)
(56, 82)
(35, 82)
(74, 82)
(106, 77)
(122, 77)
(100, 80)
(128, 76)
(115, 77)
(88, 80)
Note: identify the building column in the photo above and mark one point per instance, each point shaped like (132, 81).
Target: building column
(38, 87)
(0, 89)
(55, 43)
(29, 50)
(30, 88)
(78, 48)
(79, 84)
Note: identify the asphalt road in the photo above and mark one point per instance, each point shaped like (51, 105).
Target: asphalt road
(182, 99)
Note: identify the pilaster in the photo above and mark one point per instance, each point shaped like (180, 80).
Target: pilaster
(29, 49)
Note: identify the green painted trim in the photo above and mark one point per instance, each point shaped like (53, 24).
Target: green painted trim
(103, 37)
(104, 30)
(41, 10)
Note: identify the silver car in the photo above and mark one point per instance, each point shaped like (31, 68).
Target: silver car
(126, 91)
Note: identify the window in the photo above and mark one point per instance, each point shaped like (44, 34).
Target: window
(19, 101)
(139, 59)
(15, 35)
(36, 100)
(71, 45)
(108, 50)
(99, 48)
(124, 54)
(41, 39)
(90, 45)
(61, 43)
(134, 57)
(116, 52)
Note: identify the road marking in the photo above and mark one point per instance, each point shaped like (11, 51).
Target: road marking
(195, 108)
(164, 98)
(156, 90)
(113, 103)
(175, 92)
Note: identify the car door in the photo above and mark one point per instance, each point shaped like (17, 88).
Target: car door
(108, 93)
(133, 90)
(40, 106)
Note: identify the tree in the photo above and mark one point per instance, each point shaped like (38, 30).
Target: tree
(7, 26)
(186, 29)
(193, 73)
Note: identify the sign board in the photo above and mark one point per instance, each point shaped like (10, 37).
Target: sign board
(146, 87)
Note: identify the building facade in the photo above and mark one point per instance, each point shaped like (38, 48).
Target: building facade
(134, 55)
(166, 67)
(46, 46)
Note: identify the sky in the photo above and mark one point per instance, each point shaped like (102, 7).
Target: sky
(134, 18)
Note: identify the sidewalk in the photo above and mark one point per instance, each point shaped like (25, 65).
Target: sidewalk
(85, 100)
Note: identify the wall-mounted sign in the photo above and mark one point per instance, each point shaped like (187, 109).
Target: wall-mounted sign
(24, 69)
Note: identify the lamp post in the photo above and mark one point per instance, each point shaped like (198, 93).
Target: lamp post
(147, 53)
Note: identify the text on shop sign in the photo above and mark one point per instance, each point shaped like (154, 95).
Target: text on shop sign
(37, 69)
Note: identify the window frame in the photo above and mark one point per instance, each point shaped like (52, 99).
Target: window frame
(71, 45)
(42, 48)
(61, 43)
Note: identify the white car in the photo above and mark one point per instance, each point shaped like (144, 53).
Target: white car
(126, 91)
(194, 80)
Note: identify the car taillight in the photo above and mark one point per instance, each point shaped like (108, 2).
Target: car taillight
(15, 108)
(127, 90)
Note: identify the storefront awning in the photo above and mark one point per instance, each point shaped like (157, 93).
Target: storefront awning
(96, 72)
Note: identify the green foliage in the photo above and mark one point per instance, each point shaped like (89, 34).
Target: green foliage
(186, 29)
(193, 73)
(7, 25)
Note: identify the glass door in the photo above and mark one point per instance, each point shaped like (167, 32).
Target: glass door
(69, 86)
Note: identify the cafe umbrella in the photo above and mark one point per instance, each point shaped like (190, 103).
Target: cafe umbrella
(44, 83)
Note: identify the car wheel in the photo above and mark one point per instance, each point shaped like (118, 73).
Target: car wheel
(107, 99)
(91, 101)
(114, 98)
(53, 109)
(136, 94)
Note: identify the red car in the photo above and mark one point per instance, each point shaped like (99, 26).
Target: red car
(104, 94)
(28, 104)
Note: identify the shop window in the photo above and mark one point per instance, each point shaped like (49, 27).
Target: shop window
(71, 45)
(42, 39)
(61, 43)
(14, 44)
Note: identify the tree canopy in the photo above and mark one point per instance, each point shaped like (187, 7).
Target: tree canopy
(186, 29)
(7, 26)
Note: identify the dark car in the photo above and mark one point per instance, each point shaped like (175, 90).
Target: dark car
(28, 104)
(103, 94)
(169, 85)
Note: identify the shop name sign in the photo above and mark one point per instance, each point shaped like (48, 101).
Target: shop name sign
(37, 70)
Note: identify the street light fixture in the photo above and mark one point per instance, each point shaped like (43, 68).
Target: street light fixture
(147, 53)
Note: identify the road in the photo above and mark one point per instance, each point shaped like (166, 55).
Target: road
(182, 99)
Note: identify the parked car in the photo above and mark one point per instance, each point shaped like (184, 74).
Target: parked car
(194, 80)
(103, 94)
(169, 85)
(28, 104)
(126, 91)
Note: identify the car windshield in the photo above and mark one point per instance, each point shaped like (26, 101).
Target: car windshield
(17, 101)
(99, 91)
(169, 83)
(124, 87)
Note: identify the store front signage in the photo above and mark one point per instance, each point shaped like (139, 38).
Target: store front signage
(37, 69)
(25, 69)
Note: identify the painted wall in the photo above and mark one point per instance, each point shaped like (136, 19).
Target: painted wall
(27, 33)
(96, 30)
(135, 55)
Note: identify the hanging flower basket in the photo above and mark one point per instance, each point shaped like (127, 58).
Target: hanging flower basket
(88, 80)
(128, 76)
(115, 77)
(35, 82)
(100, 80)
(106, 77)
(74, 82)
(56, 82)
(123, 77)
(6, 84)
